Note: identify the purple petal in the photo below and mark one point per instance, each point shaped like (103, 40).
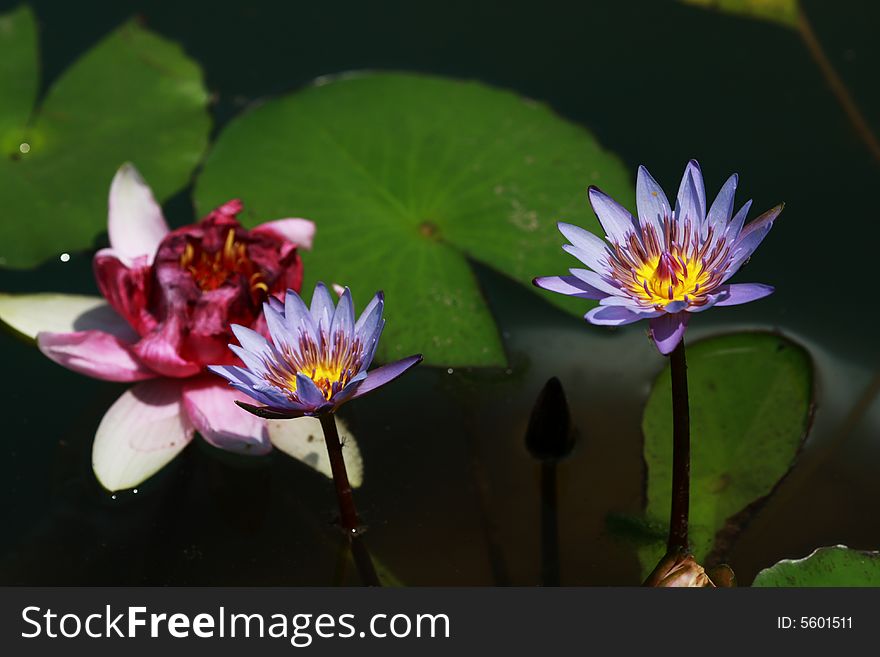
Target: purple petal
(586, 247)
(385, 374)
(308, 392)
(322, 307)
(596, 281)
(271, 413)
(343, 318)
(370, 317)
(651, 201)
(282, 334)
(570, 286)
(722, 208)
(750, 239)
(667, 330)
(613, 316)
(371, 342)
(296, 315)
(734, 228)
(738, 293)
(615, 219)
(691, 199)
(251, 340)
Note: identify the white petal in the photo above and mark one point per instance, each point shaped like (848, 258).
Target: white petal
(135, 223)
(49, 312)
(140, 433)
(303, 439)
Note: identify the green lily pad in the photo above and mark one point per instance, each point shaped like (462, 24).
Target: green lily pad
(408, 178)
(133, 97)
(827, 566)
(784, 12)
(751, 398)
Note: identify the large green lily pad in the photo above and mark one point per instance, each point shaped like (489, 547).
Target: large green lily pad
(408, 177)
(751, 397)
(133, 97)
(827, 566)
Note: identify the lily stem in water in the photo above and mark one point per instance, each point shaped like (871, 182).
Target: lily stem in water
(348, 516)
(681, 452)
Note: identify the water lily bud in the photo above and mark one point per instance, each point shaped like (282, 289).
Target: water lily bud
(550, 436)
(680, 570)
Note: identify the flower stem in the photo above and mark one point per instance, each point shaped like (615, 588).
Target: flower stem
(681, 452)
(837, 86)
(549, 526)
(348, 516)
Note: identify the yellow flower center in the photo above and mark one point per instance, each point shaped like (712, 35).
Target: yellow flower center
(324, 376)
(671, 276)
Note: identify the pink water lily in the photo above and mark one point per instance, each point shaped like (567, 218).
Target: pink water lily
(168, 300)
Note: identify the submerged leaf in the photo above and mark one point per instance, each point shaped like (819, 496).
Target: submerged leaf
(750, 400)
(134, 96)
(303, 439)
(827, 566)
(408, 177)
(784, 12)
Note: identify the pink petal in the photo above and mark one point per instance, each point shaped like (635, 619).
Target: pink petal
(299, 231)
(140, 433)
(135, 223)
(126, 285)
(94, 353)
(209, 404)
(159, 350)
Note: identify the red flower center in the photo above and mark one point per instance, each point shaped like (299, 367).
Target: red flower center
(211, 270)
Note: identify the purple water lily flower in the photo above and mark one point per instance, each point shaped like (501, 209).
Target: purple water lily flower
(317, 358)
(667, 263)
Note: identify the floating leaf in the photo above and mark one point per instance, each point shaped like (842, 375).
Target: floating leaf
(408, 177)
(134, 96)
(303, 439)
(777, 11)
(750, 401)
(827, 566)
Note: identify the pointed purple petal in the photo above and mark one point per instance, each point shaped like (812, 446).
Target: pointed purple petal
(343, 318)
(570, 286)
(385, 374)
(739, 293)
(615, 219)
(308, 392)
(297, 316)
(722, 208)
(750, 239)
(370, 317)
(269, 413)
(667, 330)
(651, 201)
(691, 199)
(613, 316)
(586, 247)
(734, 228)
(596, 281)
(322, 307)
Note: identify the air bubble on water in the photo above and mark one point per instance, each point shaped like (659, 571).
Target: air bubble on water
(65, 257)
(450, 371)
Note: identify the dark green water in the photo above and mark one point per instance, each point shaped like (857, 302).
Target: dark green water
(446, 471)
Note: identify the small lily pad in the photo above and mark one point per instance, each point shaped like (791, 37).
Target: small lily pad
(751, 397)
(827, 566)
(408, 178)
(134, 96)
